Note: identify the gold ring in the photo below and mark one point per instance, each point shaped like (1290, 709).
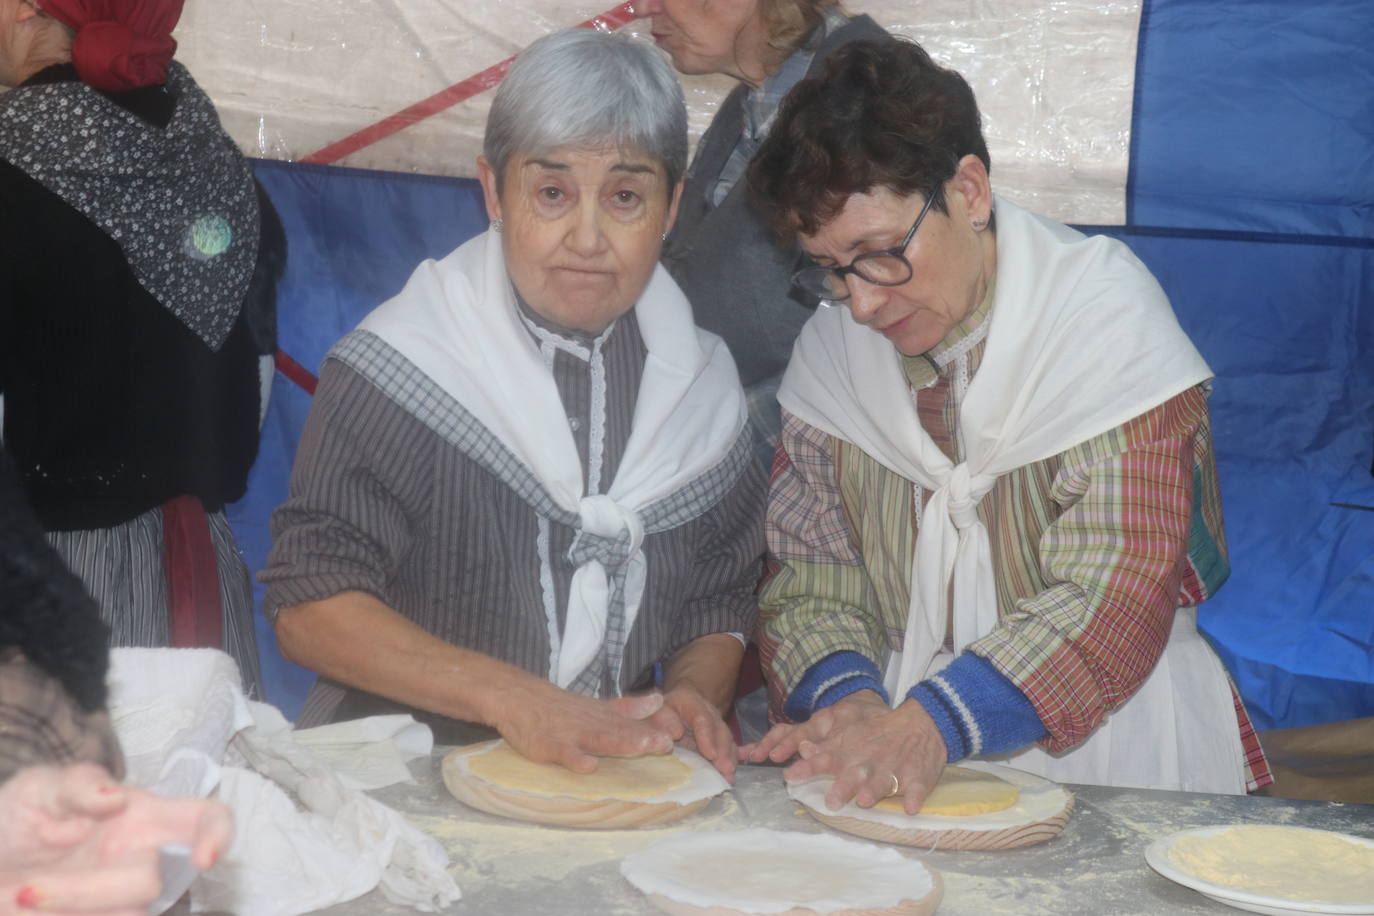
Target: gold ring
(896, 785)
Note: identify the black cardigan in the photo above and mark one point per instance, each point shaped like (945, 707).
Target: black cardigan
(111, 405)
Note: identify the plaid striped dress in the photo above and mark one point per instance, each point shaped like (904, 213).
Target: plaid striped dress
(1093, 551)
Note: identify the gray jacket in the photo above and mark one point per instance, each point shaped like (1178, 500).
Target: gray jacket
(726, 260)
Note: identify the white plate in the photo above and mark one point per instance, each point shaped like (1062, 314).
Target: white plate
(1157, 855)
(738, 871)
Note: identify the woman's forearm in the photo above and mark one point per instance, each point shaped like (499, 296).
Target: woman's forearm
(355, 639)
(711, 665)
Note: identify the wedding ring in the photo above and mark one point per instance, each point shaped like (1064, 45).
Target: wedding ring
(896, 785)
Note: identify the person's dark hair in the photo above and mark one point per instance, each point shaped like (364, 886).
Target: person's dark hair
(881, 114)
(44, 608)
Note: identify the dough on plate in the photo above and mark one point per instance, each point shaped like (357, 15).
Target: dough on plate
(961, 792)
(1291, 863)
(614, 777)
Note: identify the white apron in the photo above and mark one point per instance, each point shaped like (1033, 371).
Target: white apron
(1081, 339)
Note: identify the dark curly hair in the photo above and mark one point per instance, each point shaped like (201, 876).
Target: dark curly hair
(881, 114)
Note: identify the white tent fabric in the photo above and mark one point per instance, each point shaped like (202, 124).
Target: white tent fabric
(1054, 81)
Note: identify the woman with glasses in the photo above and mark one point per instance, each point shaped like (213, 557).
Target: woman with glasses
(995, 504)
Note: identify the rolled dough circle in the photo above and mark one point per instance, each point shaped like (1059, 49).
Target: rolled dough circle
(1039, 814)
(615, 777)
(776, 872)
(962, 792)
(1289, 863)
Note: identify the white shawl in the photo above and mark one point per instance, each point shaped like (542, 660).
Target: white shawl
(1081, 340)
(458, 322)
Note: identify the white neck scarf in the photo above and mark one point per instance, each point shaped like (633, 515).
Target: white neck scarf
(458, 322)
(1081, 340)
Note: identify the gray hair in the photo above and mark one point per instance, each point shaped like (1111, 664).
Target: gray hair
(589, 89)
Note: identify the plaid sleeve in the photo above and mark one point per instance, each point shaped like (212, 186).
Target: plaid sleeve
(1118, 555)
(40, 724)
(817, 601)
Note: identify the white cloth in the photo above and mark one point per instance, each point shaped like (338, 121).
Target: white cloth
(458, 322)
(1081, 339)
(188, 730)
(369, 753)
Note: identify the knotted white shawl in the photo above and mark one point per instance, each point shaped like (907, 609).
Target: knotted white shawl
(1081, 340)
(458, 322)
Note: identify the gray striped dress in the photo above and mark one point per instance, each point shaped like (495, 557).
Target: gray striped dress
(383, 504)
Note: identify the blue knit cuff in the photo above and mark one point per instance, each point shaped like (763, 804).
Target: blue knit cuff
(977, 710)
(830, 680)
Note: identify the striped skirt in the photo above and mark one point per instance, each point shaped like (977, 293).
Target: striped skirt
(122, 567)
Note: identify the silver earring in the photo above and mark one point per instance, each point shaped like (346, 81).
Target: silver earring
(979, 223)
(663, 237)
(498, 224)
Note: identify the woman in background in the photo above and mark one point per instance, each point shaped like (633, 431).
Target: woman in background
(721, 252)
(138, 263)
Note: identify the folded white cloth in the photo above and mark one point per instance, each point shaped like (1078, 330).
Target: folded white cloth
(370, 753)
(188, 730)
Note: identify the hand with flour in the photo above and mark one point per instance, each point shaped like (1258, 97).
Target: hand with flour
(72, 840)
(547, 724)
(868, 748)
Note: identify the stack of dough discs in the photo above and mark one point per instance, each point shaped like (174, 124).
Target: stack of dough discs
(782, 873)
(975, 806)
(621, 792)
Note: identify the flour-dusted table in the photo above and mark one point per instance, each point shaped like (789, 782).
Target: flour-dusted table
(1096, 866)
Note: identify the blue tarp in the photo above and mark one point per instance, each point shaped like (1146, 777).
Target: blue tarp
(355, 237)
(1251, 196)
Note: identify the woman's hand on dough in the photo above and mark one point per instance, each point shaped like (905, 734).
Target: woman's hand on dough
(74, 840)
(550, 725)
(863, 744)
(696, 723)
(866, 746)
(783, 742)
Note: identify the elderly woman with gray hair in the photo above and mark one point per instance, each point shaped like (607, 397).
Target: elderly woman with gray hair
(525, 491)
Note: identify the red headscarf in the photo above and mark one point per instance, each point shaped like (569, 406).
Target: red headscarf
(120, 44)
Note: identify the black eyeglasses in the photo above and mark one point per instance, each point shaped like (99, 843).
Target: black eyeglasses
(888, 267)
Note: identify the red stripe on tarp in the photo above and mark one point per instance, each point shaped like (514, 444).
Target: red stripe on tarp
(447, 98)
(295, 371)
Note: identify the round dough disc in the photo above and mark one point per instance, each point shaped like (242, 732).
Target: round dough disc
(784, 873)
(614, 777)
(962, 792)
(1038, 815)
